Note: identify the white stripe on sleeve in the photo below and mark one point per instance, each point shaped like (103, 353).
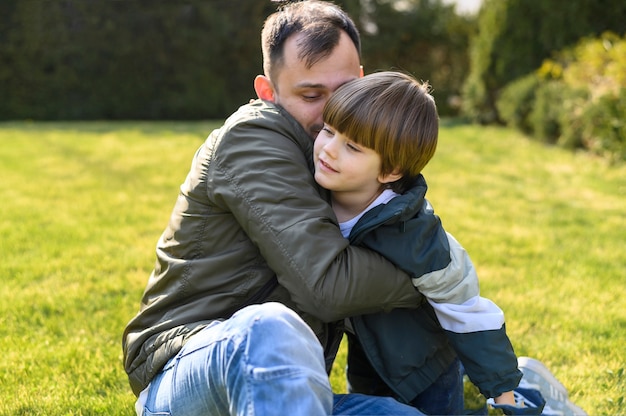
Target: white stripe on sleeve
(476, 314)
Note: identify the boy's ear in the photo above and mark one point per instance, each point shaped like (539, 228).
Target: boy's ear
(390, 177)
(264, 88)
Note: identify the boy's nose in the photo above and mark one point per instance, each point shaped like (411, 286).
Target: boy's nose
(329, 149)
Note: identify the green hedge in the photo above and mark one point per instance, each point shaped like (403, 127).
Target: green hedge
(128, 59)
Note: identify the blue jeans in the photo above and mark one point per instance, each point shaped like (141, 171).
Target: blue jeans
(264, 360)
(443, 397)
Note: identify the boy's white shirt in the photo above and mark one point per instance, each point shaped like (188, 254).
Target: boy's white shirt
(386, 196)
(471, 312)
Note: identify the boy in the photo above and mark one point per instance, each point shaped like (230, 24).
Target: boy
(380, 131)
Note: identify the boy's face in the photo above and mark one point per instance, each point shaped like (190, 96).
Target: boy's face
(303, 91)
(342, 165)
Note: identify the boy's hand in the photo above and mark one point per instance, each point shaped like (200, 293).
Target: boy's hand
(530, 403)
(506, 398)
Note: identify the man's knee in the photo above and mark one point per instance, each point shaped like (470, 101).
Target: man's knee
(267, 310)
(274, 316)
(275, 328)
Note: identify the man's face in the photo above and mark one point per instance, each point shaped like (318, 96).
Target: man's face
(303, 91)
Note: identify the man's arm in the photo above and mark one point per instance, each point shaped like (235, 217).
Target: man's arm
(263, 176)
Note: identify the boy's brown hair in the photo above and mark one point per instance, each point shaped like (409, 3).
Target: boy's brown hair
(391, 113)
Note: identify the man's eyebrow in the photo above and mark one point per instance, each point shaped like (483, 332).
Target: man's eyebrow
(311, 85)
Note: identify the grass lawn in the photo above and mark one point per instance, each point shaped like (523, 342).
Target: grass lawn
(83, 204)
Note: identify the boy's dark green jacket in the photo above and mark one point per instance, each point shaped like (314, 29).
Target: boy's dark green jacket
(409, 348)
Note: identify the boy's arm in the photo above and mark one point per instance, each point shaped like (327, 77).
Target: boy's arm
(442, 271)
(474, 325)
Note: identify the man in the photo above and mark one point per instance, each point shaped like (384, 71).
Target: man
(251, 240)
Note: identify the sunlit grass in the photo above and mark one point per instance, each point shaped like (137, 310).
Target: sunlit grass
(82, 205)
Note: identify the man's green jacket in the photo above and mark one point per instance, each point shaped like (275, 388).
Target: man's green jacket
(250, 225)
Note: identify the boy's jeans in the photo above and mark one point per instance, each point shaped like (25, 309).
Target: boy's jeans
(264, 360)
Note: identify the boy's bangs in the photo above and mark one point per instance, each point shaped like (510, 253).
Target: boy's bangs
(352, 118)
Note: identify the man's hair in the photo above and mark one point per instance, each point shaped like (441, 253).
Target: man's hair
(319, 22)
(391, 113)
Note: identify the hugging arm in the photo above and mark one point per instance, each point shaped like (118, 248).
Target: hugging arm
(266, 182)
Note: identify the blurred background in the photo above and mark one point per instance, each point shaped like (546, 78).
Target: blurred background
(555, 69)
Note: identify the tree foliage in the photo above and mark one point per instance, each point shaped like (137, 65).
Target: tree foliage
(423, 37)
(128, 59)
(156, 59)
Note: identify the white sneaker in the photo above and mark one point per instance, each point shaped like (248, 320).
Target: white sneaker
(537, 376)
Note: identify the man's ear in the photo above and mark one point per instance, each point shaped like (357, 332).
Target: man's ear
(390, 177)
(264, 88)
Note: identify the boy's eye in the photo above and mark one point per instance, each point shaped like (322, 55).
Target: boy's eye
(327, 130)
(353, 146)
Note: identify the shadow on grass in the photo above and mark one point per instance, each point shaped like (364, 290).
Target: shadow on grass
(454, 122)
(199, 127)
(149, 127)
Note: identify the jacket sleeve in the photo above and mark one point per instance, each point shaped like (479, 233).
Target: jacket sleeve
(442, 271)
(488, 359)
(262, 174)
(474, 325)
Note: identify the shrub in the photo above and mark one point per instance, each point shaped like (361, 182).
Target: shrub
(516, 102)
(515, 36)
(589, 95)
(545, 115)
(576, 100)
(603, 126)
(572, 106)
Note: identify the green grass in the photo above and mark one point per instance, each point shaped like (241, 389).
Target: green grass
(82, 205)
